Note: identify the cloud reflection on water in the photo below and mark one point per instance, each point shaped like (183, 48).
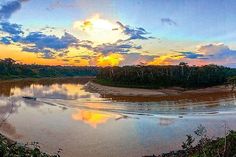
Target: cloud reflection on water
(94, 118)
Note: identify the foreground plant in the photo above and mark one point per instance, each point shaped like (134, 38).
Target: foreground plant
(206, 147)
(10, 148)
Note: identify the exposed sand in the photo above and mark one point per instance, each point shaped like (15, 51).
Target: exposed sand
(120, 91)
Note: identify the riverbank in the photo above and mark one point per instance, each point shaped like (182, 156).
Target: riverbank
(9, 147)
(206, 147)
(45, 78)
(121, 92)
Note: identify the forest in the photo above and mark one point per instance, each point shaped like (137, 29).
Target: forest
(181, 75)
(10, 69)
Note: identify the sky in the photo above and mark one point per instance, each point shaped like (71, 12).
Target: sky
(118, 32)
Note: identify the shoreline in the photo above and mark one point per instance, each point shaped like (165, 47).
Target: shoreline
(11, 147)
(43, 78)
(119, 92)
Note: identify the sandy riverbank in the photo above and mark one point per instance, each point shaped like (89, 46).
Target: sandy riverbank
(136, 92)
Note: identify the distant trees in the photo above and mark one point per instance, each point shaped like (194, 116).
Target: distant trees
(9, 68)
(181, 75)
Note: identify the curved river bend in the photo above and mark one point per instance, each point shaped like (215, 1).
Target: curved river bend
(85, 124)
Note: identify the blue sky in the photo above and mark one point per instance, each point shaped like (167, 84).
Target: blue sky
(173, 28)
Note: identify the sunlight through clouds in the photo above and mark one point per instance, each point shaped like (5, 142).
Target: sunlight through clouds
(112, 59)
(83, 33)
(98, 29)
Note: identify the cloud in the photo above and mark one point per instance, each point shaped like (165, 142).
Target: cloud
(77, 60)
(55, 4)
(103, 29)
(12, 29)
(232, 65)
(37, 42)
(217, 51)
(52, 46)
(133, 33)
(10, 7)
(13, 32)
(85, 44)
(5, 40)
(112, 59)
(46, 53)
(59, 4)
(47, 44)
(136, 59)
(42, 41)
(168, 21)
(167, 59)
(119, 46)
(192, 55)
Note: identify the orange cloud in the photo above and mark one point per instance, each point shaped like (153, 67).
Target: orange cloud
(167, 59)
(93, 118)
(112, 59)
(14, 52)
(86, 25)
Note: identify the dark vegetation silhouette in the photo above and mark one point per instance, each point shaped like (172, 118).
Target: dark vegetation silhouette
(9, 148)
(200, 145)
(181, 75)
(10, 69)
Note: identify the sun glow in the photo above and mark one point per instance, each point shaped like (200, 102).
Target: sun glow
(98, 29)
(113, 59)
(94, 24)
(166, 59)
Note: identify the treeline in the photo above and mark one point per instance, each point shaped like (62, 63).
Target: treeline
(9, 69)
(181, 75)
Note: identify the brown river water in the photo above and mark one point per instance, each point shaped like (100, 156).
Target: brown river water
(81, 123)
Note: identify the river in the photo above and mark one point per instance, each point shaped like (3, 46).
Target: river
(82, 123)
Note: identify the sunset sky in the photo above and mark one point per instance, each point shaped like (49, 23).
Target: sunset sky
(118, 32)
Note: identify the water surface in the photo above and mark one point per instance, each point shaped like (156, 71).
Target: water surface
(67, 116)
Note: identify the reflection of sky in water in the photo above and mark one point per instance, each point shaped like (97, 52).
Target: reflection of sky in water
(54, 91)
(94, 118)
(74, 95)
(84, 124)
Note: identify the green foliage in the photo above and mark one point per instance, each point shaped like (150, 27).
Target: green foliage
(10, 69)
(188, 144)
(206, 147)
(13, 149)
(180, 75)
